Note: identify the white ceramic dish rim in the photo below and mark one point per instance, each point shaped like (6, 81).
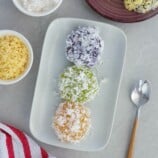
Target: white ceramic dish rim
(20, 8)
(11, 32)
(118, 91)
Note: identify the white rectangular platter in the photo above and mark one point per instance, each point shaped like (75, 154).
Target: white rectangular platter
(54, 62)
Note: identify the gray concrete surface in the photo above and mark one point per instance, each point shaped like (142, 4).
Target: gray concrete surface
(141, 62)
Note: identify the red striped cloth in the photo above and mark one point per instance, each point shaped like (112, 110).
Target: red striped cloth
(16, 144)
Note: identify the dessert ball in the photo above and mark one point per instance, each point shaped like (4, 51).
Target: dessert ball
(84, 46)
(132, 5)
(71, 122)
(78, 84)
(141, 6)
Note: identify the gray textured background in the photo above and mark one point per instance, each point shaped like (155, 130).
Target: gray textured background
(141, 62)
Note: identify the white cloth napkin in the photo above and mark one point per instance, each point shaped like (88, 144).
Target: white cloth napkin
(16, 144)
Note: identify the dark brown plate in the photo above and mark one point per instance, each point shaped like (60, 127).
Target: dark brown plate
(115, 10)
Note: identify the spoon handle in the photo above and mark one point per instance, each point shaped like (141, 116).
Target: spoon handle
(133, 137)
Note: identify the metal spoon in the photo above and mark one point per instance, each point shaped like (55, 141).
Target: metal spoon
(139, 96)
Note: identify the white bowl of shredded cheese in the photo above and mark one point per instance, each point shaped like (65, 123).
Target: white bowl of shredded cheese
(37, 8)
(16, 57)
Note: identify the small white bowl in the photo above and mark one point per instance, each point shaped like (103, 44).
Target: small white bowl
(30, 62)
(19, 6)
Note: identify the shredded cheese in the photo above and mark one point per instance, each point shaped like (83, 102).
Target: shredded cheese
(13, 57)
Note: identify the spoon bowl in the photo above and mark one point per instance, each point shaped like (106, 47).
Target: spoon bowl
(141, 93)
